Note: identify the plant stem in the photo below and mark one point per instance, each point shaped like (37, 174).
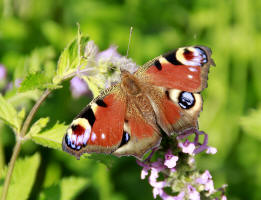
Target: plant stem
(16, 151)
(18, 144)
(2, 157)
(33, 111)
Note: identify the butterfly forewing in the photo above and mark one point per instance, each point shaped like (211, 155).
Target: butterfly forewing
(174, 82)
(99, 127)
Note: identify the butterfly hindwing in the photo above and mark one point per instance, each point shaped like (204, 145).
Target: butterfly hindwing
(140, 124)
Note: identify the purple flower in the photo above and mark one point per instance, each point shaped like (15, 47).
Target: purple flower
(78, 87)
(180, 196)
(211, 150)
(157, 191)
(187, 147)
(185, 181)
(144, 172)
(108, 55)
(223, 197)
(170, 159)
(193, 193)
(2, 72)
(206, 180)
(17, 82)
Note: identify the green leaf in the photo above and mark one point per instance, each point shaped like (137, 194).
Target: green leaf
(251, 123)
(23, 178)
(8, 114)
(51, 138)
(17, 98)
(21, 115)
(105, 159)
(37, 80)
(38, 126)
(71, 58)
(67, 189)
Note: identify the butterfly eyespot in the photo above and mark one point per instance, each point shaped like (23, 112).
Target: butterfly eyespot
(193, 56)
(186, 100)
(78, 134)
(125, 138)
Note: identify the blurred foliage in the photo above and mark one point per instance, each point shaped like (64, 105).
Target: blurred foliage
(33, 33)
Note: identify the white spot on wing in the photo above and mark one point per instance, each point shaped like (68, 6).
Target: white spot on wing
(93, 136)
(103, 136)
(193, 69)
(190, 76)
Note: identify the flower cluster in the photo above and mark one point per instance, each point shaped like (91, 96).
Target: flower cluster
(173, 175)
(177, 171)
(101, 71)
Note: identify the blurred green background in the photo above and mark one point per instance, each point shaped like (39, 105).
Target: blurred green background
(34, 32)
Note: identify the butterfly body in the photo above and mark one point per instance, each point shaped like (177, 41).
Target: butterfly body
(127, 118)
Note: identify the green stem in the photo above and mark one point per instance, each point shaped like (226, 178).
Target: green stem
(32, 112)
(18, 144)
(2, 157)
(16, 151)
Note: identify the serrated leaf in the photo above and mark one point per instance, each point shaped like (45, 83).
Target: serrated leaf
(38, 126)
(36, 80)
(251, 123)
(71, 58)
(51, 138)
(8, 114)
(17, 98)
(23, 178)
(67, 189)
(21, 115)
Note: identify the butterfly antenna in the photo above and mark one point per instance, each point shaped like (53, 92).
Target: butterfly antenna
(131, 29)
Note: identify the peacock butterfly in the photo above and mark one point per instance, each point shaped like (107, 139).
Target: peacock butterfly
(127, 118)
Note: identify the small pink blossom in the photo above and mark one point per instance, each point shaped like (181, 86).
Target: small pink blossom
(144, 173)
(108, 55)
(18, 82)
(193, 194)
(180, 196)
(157, 191)
(170, 160)
(187, 147)
(206, 180)
(223, 197)
(211, 150)
(78, 87)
